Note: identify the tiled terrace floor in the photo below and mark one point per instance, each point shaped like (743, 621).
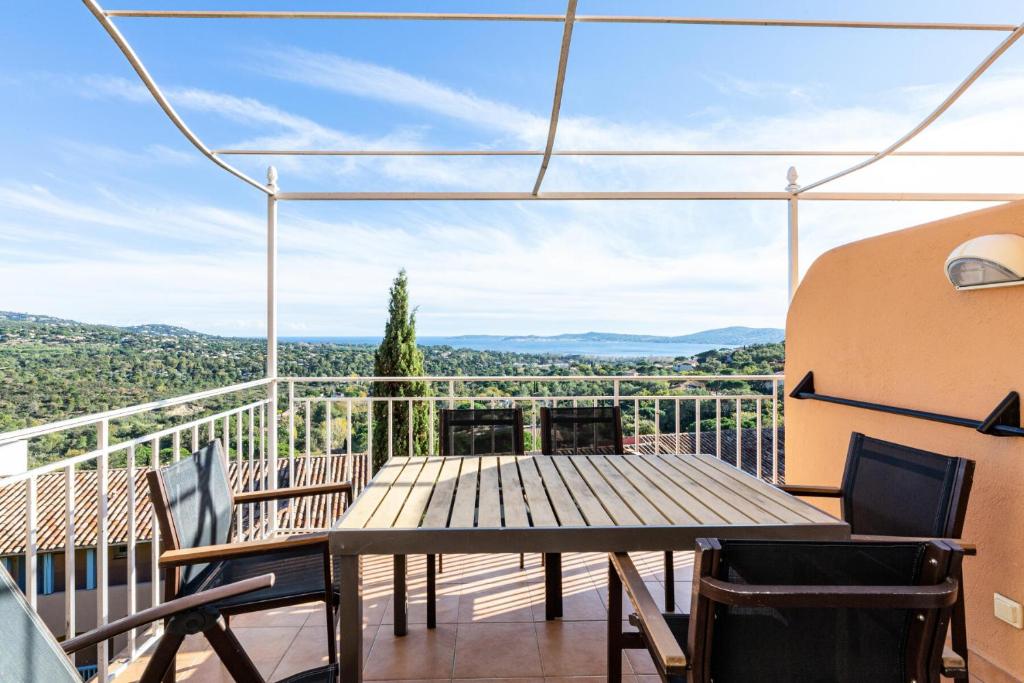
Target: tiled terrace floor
(490, 625)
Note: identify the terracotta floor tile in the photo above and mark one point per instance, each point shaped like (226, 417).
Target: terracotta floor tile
(577, 605)
(423, 653)
(574, 648)
(307, 650)
(494, 601)
(295, 615)
(496, 650)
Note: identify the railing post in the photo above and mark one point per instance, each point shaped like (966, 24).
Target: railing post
(794, 232)
(31, 541)
(130, 555)
(154, 546)
(291, 433)
(271, 461)
(102, 542)
(615, 391)
(775, 431)
(70, 624)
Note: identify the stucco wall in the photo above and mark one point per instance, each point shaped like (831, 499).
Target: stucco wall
(877, 320)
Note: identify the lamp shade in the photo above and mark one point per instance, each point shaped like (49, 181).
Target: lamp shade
(987, 261)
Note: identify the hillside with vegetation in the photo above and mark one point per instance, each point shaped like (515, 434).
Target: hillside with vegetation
(51, 369)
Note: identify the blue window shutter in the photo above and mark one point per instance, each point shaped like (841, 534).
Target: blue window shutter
(90, 569)
(46, 585)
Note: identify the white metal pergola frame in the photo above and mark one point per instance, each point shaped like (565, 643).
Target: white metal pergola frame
(792, 194)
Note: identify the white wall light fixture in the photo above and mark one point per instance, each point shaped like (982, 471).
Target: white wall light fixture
(987, 261)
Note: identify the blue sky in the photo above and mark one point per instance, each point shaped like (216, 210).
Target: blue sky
(107, 214)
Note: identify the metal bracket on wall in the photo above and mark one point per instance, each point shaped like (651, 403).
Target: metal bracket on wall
(1004, 420)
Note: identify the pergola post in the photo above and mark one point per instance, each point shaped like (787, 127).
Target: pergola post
(794, 232)
(271, 459)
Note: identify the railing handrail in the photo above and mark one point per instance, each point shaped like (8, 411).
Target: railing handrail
(353, 379)
(117, 413)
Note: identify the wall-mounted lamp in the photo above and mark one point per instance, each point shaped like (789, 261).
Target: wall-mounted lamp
(987, 261)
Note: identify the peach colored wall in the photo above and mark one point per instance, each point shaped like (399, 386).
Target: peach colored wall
(877, 320)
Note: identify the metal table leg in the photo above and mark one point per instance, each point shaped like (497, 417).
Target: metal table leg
(350, 618)
(401, 596)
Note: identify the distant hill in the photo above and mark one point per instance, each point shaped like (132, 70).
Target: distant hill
(727, 336)
(50, 322)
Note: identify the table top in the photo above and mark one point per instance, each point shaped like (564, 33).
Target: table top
(568, 503)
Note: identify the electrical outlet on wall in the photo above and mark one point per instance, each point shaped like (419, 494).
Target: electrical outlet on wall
(1009, 611)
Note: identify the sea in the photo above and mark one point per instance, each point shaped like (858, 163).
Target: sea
(561, 347)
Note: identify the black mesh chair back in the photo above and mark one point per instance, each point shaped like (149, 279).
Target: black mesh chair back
(28, 652)
(752, 642)
(571, 431)
(488, 431)
(199, 503)
(896, 490)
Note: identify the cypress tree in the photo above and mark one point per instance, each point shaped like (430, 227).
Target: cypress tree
(398, 356)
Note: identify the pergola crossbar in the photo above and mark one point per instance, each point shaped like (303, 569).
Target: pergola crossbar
(555, 18)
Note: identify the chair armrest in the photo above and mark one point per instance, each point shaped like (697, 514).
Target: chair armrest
(167, 609)
(898, 597)
(292, 492)
(227, 551)
(968, 548)
(812, 491)
(664, 646)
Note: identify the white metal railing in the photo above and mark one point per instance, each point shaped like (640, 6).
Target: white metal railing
(332, 421)
(316, 404)
(238, 421)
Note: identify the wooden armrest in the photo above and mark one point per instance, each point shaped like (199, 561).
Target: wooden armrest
(167, 609)
(968, 548)
(812, 491)
(292, 492)
(665, 648)
(227, 551)
(952, 663)
(897, 597)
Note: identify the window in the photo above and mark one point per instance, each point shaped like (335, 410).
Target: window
(46, 581)
(16, 568)
(90, 569)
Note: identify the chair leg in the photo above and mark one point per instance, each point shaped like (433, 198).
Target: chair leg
(670, 582)
(162, 659)
(522, 561)
(552, 586)
(440, 564)
(431, 593)
(958, 628)
(234, 657)
(614, 625)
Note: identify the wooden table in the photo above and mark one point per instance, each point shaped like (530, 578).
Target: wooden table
(553, 504)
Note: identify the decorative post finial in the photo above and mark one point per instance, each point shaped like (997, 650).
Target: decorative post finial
(791, 176)
(272, 178)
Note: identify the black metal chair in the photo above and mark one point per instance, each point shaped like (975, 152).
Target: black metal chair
(194, 505)
(576, 431)
(588, 430)
(29, 653)
(835, 612)
(891, 490)
(482, 431)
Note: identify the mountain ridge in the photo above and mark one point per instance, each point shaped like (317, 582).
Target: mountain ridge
(736, 335)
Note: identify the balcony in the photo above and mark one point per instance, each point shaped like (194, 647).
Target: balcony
(324, 432)
(886, 344)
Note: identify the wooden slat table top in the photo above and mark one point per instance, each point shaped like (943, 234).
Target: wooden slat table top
(569, 503)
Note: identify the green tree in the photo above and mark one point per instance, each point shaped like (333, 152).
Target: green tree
(398, 356)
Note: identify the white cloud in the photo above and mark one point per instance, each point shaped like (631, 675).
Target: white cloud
(638, 267)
